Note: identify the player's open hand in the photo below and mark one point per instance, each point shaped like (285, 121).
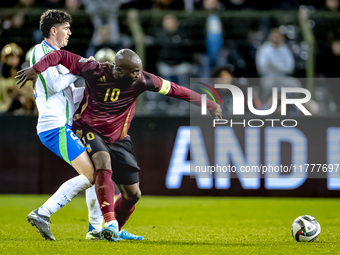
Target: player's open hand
(217, 114)
(25, 75)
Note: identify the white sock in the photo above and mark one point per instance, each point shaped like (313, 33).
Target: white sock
(64, 194)
(95, 214)
(114, 222)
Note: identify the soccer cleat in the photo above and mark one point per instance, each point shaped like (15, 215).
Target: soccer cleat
(92, 236)
(42, 223)
(110, 233)
(124, 235)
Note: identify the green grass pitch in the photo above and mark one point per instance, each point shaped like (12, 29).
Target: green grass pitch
(177, 225)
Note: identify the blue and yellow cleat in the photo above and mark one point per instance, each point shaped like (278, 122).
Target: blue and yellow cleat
(124, 235)
(110, 233)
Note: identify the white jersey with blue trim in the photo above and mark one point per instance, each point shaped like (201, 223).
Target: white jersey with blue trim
(55, 93)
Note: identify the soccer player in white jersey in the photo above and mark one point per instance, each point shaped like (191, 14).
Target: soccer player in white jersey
(55, 97)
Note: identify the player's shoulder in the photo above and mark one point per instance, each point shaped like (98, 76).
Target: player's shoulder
(145, 78)
(149, 80)
(148, 77)
(37, 48)
(95, 69)
(148, 74)
(38, 52)
(105, 68)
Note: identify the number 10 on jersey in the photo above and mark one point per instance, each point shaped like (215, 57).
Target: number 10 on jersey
(114, 94)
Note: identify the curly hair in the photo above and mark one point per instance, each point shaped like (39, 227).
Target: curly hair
(51, 18)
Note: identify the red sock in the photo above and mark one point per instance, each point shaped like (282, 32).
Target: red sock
(105, 193)
(123, 210)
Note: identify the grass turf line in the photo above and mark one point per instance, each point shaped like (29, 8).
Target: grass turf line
(177, 225)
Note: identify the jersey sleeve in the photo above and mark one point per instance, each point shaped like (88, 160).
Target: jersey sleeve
(57, 81)
(75, 63)
(51, 77)
(78, 93)
(168, 88)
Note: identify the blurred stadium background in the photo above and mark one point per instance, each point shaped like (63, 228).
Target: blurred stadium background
(179, 40)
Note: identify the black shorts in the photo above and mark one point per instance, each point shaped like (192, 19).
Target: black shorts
(124, 166)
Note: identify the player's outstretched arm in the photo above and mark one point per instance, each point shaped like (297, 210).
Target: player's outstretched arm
(177, 91)
(195, 98)
(62, 57)
(157, 84)
(72, 62)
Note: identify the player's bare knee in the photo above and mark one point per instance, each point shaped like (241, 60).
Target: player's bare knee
(138, 194)
(91, 177)
(94, 177)
(133, 195)
(101, 160)
(83, 165)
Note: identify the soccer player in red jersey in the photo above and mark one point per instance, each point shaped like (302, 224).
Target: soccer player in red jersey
(103, 119)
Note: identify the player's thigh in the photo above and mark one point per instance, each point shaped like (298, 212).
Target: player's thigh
(125, 175)
(84, 166)
(97, 150)
(63, 142)
(125, 168)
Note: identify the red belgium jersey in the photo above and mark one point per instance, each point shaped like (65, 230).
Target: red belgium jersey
(108, 107)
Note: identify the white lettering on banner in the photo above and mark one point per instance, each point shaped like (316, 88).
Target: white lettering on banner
(228, 150)
(298, 141)
(229, 158)
(333, 157)
(188, 138)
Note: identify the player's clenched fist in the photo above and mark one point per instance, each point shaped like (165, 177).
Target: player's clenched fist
(217, 114)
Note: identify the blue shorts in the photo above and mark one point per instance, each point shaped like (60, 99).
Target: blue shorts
(63, 142)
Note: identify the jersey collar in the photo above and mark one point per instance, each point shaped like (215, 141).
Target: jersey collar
(44, 42)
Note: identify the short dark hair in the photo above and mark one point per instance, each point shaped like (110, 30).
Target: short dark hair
(51, 18)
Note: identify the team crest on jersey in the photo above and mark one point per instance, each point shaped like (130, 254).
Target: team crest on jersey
(84, 60)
